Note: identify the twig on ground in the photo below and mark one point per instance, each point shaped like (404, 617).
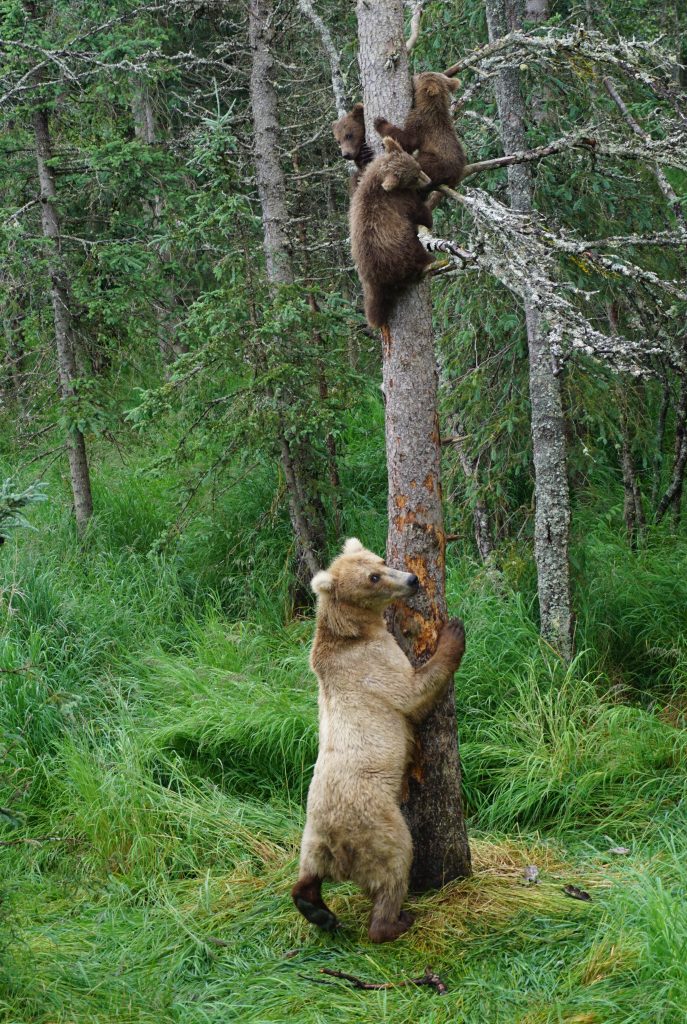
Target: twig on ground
(428, 978)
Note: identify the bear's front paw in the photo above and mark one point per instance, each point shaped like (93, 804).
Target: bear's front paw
(381, 125)
(453, 640)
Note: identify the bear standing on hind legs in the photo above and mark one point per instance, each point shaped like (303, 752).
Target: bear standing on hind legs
(429, 130)
(385, 210)
(370, 697)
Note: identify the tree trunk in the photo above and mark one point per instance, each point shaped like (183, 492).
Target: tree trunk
(271, 182)
(552, 495)
(658, 444)
(416, 539)
(673, 494)
(144, 127)
(64, 335)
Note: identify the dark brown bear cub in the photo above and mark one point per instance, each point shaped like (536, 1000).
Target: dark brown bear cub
(429, 129)
(349, 132)
(385, 211)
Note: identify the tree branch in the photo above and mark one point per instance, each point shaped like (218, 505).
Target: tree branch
(338, 87)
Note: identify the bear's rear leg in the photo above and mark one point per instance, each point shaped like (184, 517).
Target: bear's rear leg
(388, 921)
(307, 895)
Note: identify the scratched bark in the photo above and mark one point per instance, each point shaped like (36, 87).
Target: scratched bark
(416, 539)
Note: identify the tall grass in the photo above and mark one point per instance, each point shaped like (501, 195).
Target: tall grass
(158, 728)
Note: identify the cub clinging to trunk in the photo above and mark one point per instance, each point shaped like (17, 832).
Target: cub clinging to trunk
(370, 697)
(385, 211)
(429, 129)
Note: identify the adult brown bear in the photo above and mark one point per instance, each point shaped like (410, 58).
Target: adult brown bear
(370, 697)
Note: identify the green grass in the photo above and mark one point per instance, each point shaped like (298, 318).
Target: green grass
(157, 734)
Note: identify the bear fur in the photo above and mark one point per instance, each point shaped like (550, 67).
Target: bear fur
(349, 132)
(429, 129)
(370, 697)
(385, 210)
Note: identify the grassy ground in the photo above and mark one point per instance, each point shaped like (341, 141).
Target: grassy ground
(155, 747)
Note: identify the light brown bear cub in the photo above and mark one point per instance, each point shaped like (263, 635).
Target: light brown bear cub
(370, 697)
(385, 211)
(429, 129)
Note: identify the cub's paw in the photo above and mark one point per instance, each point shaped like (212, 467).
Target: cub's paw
(381, 124)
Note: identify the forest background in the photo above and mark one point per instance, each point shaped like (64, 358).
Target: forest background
(191, 418)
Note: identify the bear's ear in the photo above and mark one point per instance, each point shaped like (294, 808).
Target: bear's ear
(358, 111)
(322, 582)
(352, 546)
(390, 145)
(391, 182)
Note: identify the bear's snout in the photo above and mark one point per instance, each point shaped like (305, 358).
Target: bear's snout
(413, 581)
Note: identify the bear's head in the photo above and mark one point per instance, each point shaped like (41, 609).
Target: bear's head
(431, 86)
(399, 169)
(349, 132)
(360, 579)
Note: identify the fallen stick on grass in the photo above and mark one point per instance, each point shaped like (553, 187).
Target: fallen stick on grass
(428, 978)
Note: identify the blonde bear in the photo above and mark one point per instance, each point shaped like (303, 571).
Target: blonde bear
(370, 698)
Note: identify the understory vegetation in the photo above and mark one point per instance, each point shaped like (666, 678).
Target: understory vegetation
(158, 735)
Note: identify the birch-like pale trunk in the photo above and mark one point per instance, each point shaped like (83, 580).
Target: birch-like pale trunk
(64, 334)
(416, 539)
(552, 493)
(278, 257)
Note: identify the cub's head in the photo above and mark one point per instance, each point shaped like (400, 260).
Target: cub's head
(349, 132)
(399, 169)
(433, 86)
(359, 578)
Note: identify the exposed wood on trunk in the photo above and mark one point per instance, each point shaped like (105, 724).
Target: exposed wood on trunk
(64, 334)
(552, 496)
(416, 539)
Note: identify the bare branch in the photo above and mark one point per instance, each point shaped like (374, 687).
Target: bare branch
(338, 87)
(415, 25)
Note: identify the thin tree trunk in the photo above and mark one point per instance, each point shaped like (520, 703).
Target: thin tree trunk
(658, 446)
(416, 540)
(480, 514)
(272, 192)
(64, 334)
(673, 494)
(552, 494)
(144, 128)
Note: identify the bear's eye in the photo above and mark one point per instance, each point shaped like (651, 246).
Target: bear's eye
(374, 578)
(348, 136)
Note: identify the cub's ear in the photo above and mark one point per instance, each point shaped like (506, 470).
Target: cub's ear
(391, 182)
(352, 546)
(322, 582)
(390, 145)
(453, 84)
(358, 110)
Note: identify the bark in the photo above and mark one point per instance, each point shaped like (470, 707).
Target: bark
(658, 446)
(480, 514)
(271, 183)
(416, 539)
(673, 494)
(552, 495)
(64, 333)
(144, 128)
(536, 10)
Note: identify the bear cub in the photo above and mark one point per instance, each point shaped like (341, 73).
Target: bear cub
(349, 132)
(429, 129)
(385, 210)
(370, 697)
